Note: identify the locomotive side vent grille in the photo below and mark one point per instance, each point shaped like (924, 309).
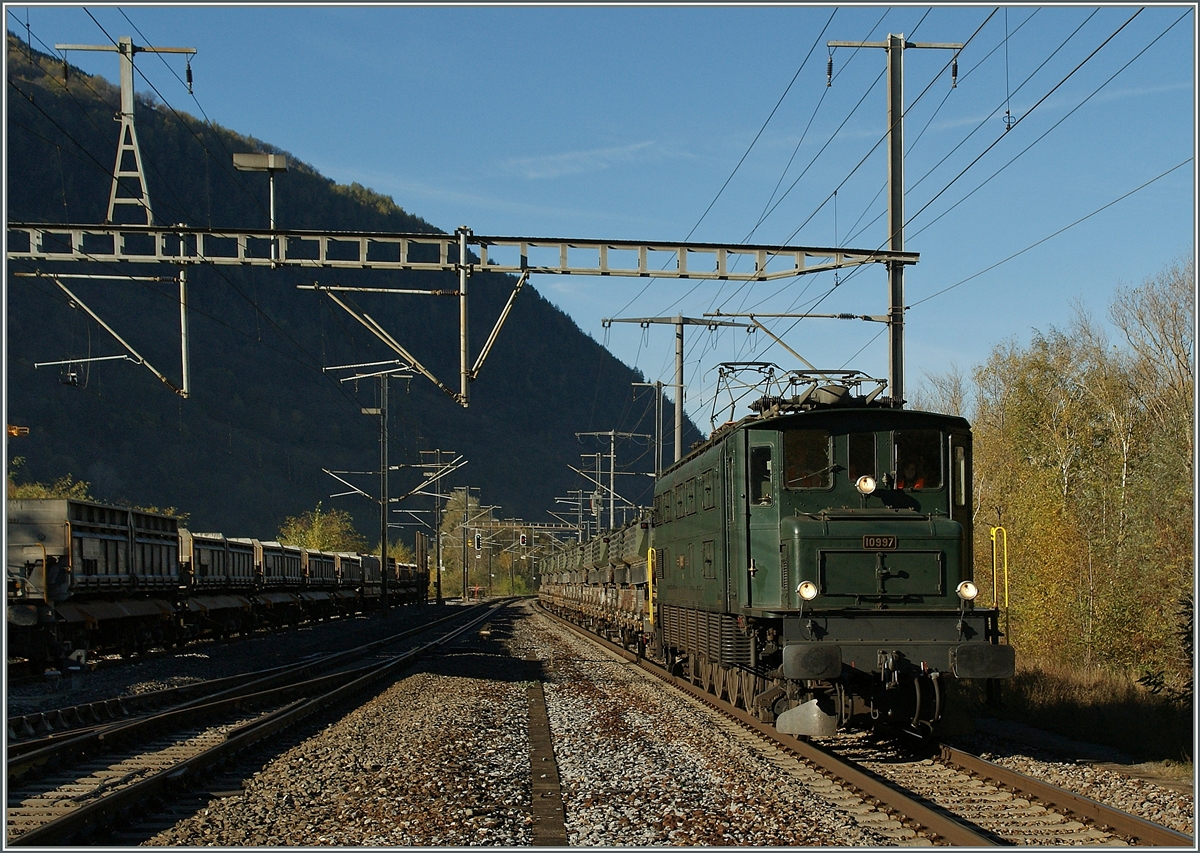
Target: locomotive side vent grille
(714, 636)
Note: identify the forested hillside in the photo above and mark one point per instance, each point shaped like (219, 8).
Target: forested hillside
(1083, 453)
(247, 449)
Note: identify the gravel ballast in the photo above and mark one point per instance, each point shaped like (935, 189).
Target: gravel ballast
(441, 758)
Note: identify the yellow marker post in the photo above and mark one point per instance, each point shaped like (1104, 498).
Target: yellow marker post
(999, 538)
(651, 559)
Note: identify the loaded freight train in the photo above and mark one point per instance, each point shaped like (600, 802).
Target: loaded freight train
(811, 562)
(86, 578)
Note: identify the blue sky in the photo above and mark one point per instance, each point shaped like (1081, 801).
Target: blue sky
(625, 122)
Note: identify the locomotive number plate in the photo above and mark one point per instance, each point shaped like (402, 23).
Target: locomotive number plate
(879, 543)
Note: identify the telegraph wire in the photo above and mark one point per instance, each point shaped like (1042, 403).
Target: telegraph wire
(1041, 101)
(767, 207)
(1034, 245)
(812, 162)
(763, 215)
(86, 113)
(833, 136)
(963, 78)
(984, 122)
(854, 272)
(66, 88)
(179, 207)
(105, 170)
(753, 142)
(209, 122)
(1008, 119)
(1047, 132)
(804, 62)
(866, 92)
(745, 285)
(237, 176)
(878, 142)
(1037, 243)
(852, 233)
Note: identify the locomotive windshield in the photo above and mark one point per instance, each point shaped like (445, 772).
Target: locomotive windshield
(919, 459)
(807, 459)
(760, 474)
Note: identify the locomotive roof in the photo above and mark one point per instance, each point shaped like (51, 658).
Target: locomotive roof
(856, 416)
(873, 417)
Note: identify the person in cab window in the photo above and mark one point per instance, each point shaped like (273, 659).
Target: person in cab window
(910, 477)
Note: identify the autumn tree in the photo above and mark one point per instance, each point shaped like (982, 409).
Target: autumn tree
(511, 566)
(1156, 319)
(398, 551)
(325, 531)
(64, 487)
(947, 393)
(1083, 452)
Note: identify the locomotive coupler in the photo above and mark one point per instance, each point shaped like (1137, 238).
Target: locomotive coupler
(889, 669)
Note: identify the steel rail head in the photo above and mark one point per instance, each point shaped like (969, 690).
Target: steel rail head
(1118, 821)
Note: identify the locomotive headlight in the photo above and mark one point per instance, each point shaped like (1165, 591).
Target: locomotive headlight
(807, 590)
(967, 591)
(865, 484)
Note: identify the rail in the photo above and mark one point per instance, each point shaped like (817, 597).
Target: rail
(330, 689)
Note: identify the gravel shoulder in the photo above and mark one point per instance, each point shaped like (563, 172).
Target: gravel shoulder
(1097, 772)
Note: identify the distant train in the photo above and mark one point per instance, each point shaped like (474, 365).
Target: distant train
(85, 578)
(811, 562)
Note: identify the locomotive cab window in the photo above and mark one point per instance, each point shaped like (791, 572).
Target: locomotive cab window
(760, 474)
(918, 459)
(808, 459)
(960, 471)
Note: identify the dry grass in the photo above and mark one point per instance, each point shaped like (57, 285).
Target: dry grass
(1094, 706)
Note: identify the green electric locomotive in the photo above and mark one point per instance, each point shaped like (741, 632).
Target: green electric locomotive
(812, 562)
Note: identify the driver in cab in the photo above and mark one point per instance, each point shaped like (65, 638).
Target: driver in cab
(910, 477)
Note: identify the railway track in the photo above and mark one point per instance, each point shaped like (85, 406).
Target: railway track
(64, 787)
(948, 797)
(32, 731)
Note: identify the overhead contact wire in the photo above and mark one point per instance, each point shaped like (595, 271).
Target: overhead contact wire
(753, 142)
